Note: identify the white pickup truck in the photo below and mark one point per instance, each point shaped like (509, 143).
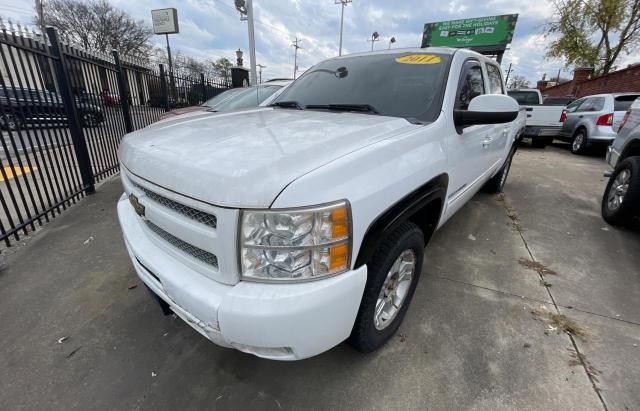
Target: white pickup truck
(543, 121)
(282, 231)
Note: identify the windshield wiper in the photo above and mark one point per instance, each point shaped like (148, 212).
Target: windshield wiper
(366, 108)
(287, 104)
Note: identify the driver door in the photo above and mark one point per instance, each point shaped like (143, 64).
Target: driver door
(469, 155)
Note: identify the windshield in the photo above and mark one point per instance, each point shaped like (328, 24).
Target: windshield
(525, 97)
(221, 97)
(249, 97)
(408, 85)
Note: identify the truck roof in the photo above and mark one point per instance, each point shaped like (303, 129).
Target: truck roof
(439, 50)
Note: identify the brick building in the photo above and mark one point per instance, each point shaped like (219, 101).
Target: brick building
(584, 84)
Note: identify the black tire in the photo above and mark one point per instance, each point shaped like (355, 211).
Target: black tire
(579, 142)
(541, 142)
(10, 121)
(621, 212)
(365, 336)
(496, 184)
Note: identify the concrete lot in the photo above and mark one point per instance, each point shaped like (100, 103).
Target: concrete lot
(480, 333)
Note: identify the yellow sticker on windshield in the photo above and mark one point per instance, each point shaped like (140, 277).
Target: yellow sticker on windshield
(419, 59)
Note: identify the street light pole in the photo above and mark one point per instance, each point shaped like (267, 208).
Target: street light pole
(343, 4)
(391, 41)
(260, 67)
(245, 7)
(252, 42)
(295, 56)
(374, 37)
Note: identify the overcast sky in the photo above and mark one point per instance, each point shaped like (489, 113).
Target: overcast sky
(210, 29)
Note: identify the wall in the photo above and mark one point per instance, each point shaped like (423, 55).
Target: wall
(625, 80)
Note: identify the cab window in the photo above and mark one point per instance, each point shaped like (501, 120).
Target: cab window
(471, 84)
(495, 79)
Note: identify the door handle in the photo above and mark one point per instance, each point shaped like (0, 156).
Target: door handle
(581, 116)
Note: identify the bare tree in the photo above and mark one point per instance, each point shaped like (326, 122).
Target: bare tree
(518, 81)
(594, 32)
(96, 25)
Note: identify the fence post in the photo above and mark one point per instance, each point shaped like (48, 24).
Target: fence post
(124, 97)
(204, 88)
(77, 136)
(163, 88)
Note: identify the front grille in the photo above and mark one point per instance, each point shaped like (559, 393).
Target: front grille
(197, 215)
(198, 253)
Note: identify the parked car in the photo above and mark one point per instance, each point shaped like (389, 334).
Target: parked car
(26, 106)
(109, 98)
(593, 120)
(235, 99)
(283, 230)
(543, 116)
(621, 200)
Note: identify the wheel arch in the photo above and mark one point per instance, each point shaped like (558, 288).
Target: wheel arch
(632, 149)
(422, 206)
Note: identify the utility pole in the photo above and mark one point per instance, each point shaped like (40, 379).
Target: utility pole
(343, 4)
(260, 66)
(295, 56)
(506, 80)
(40, 13)
(558, 78)
(245, 7)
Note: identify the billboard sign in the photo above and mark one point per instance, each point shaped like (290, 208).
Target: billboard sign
(480, 31)
(165, 21)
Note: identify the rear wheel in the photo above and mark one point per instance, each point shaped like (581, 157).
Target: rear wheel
(621, 198)
(579, 143)
(392, 277)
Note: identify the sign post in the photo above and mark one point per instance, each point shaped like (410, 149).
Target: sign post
(487, 35)
(165, 21)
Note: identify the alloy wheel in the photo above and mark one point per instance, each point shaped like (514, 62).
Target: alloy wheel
(618, 190)
(578, 142)
(394, 289)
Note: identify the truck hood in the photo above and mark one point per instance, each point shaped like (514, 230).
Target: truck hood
(246, 158)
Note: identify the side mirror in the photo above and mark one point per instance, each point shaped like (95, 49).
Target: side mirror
(487, 109)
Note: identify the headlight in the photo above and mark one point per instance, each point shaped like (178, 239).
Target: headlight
(301, 244)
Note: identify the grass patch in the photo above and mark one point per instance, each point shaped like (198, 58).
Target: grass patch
(536, 266)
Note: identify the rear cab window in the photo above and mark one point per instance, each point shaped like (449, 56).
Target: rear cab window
(524, 97)
(622, 103)
(557, 101)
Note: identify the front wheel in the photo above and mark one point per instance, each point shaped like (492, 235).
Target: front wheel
(621, 198)
(10, 121)
(392, 277)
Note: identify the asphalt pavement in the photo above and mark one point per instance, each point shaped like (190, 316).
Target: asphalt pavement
(526, 301)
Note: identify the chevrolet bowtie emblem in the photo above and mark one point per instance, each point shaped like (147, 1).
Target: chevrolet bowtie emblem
(139, 208)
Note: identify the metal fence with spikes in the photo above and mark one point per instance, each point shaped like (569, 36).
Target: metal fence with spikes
(63, 112)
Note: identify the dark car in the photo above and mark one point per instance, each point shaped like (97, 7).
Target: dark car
(20, 107)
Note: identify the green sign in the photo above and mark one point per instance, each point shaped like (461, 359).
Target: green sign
(480, 31)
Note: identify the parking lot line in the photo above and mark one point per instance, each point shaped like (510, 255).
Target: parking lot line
(11, 172)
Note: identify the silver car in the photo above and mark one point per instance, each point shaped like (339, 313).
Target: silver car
(621, 200)
(594, 119)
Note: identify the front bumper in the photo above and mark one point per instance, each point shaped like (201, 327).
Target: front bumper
(612, 156)
(275, 321)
